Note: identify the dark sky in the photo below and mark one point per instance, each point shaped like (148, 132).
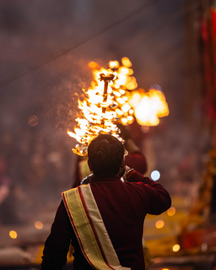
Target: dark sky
(150, 33)
(45, 48)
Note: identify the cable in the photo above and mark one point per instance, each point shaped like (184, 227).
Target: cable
(63, 52)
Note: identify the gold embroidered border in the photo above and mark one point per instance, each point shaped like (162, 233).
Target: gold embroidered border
(85, 233)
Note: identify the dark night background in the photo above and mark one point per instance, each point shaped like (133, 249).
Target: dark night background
(45, 49)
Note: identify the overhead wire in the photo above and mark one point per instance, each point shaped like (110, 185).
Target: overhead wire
(105, 29)
(63, 52)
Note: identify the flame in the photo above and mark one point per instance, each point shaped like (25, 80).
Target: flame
(97, 115)
(101, 109)
(149, 106)
(123, 82)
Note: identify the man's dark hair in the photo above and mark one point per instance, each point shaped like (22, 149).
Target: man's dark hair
(105, 155)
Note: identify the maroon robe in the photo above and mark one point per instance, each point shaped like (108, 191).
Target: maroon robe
(123, 207)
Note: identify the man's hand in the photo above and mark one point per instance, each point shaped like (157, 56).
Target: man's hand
(127, 169)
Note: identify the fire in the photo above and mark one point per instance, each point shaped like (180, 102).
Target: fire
(113, 98)
(97, 114)
(149, 106)
(123, 82)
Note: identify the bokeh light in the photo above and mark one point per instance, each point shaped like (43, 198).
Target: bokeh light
(13, 234)
(176, 248)
(171, 211)
(38, 225)
(159, 224)
(155, 175)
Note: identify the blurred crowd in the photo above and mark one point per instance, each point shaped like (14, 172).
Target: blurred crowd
(35, 166)
(182, 156)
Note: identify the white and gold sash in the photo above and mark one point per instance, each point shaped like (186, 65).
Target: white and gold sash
(90, 230)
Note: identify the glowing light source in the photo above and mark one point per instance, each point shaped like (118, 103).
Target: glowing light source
(159, 224)
(176, 248)
(123, 82)
(98, 114)
(148, 106)
(155, 175)
(114, 64)
(126, 62)
(13, 234)
(38, 225)
(171, 211)
(116, 100)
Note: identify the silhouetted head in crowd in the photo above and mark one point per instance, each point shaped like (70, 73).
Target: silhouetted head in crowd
(106, 156)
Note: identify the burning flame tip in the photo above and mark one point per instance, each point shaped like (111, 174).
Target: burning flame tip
(126, 62)
(113, 97)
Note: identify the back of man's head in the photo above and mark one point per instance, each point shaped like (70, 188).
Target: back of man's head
(105, 155)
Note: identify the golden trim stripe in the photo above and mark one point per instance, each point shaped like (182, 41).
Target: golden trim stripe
(84, 231)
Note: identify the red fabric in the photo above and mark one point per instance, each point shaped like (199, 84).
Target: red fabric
(213, 13)
(123, 206)
(208, 32)
(136, 161)
(195, 238)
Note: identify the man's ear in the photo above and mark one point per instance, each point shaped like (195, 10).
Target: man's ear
(89, 166)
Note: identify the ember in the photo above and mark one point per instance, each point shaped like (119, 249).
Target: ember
(114, 98)
(97, 115)
(123, 82)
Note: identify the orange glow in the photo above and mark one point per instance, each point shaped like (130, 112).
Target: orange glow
(38, 225)
(171, 211)
(159, 224)
(114, 64)
(13, 234)
(149, 106)
(126, 62)
(118, 88)
(176, 248)
(99, 112)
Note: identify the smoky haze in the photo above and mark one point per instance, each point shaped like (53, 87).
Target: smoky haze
(45, 50)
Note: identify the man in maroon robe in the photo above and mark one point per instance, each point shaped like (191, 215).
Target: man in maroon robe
(134, 158)
(123, 206)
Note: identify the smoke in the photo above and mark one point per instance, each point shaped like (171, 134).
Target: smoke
(39, 101)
